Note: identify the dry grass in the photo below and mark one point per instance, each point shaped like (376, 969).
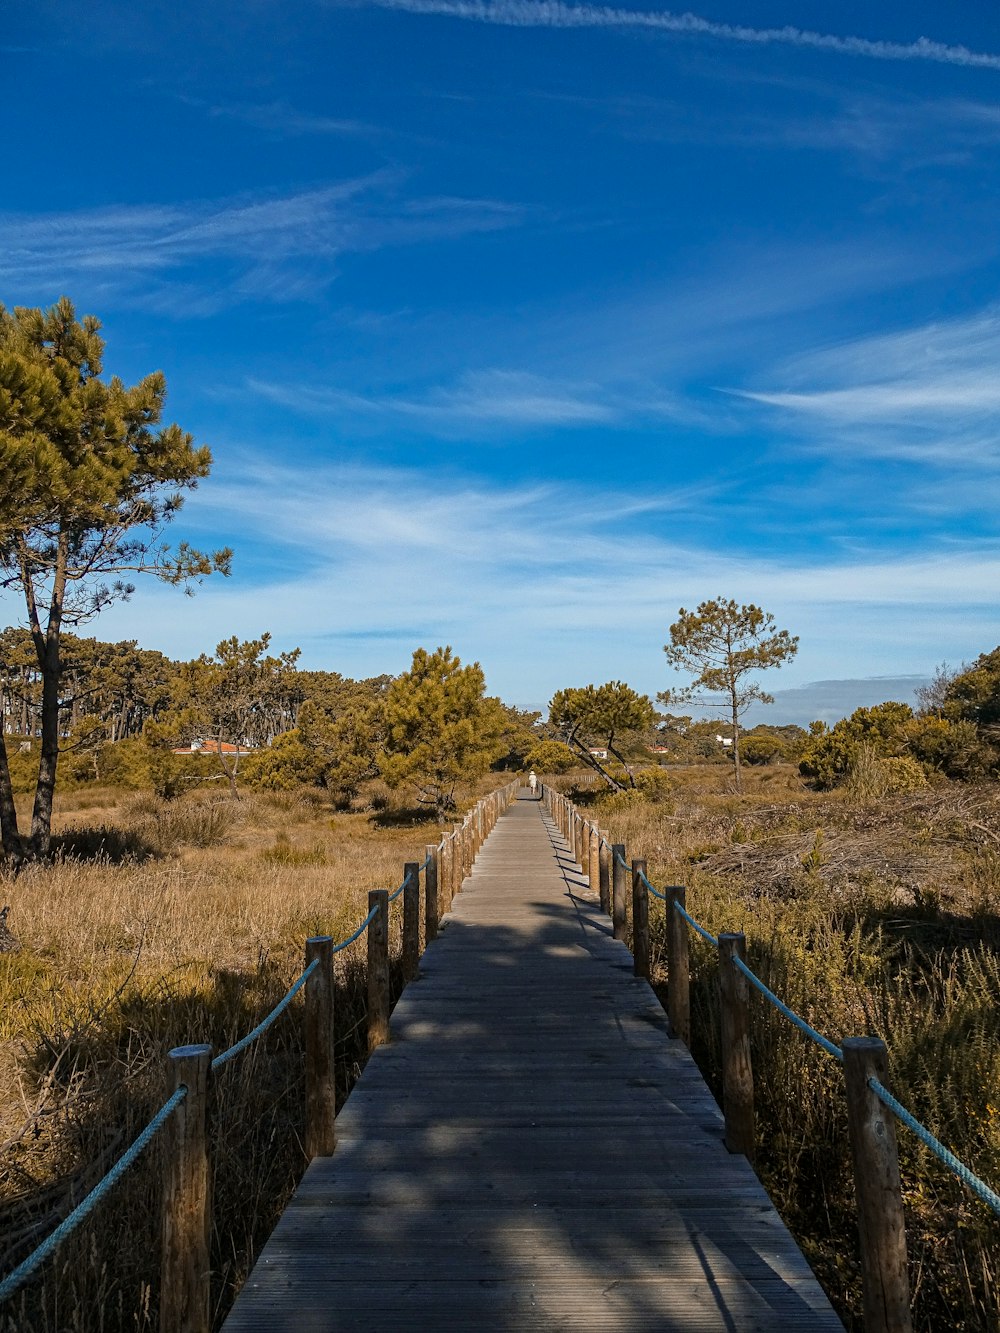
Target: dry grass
(160, 925)
(866, 917)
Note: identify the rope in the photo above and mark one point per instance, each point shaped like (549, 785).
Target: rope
(394, 896)
(622, 862)
(705, 934)
(790, 1014)
(16, 1280)
(652, 888)
(358, 933)
(988, 1196)
(265, 1023)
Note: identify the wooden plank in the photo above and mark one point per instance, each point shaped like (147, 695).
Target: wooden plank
(531, 1150)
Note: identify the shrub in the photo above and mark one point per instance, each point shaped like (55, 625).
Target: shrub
(656, 784)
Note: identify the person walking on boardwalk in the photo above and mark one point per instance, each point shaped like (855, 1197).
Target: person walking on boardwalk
(533, 781)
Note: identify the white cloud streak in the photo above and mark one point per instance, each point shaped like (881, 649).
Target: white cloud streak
(483, 400)
(264, 247)
(929, 393)
(555, 14)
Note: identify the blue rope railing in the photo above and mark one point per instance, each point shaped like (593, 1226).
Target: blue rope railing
(954, 1164)
(266, 1022)
(24, 1271)
(957, 1167)
(14, 1281)
(790, 1014)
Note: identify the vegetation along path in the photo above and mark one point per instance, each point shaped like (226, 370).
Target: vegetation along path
(532, 1150)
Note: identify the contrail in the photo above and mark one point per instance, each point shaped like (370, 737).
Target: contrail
(556, 14)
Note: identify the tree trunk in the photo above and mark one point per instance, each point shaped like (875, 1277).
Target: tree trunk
(588, 758)
(9, 836)
(627, 767)
(736, 747)
(48, 761)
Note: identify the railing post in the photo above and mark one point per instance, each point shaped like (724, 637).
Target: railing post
(737, 1073)
(604, 874)
(584, 857)
(885, 1284)
(468, 855)
(640, 920)
(577, 837)
(618, 884)
(321, 1092)
(432, 908)
(411, 921)
(594, 860)
(378, 969)
(187, 1189)
(458, 856)
(678, 967)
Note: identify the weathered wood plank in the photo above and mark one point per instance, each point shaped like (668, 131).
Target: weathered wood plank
(532, 1150)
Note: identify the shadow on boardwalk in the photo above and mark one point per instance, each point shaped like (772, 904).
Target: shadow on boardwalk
(532, 1151)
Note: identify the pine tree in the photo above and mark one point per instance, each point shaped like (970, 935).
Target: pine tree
(88, 481)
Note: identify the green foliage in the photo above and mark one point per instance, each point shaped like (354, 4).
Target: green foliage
(549, 757)
(656, 784)
(601, 716)
(231, 699)
(720, 644)
(439, 729)
(882, 728)
(287, 763)
(974, 694)
(954, 748)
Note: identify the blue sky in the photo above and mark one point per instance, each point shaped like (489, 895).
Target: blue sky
(520, 325)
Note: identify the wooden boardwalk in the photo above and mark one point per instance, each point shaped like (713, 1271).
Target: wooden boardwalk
(532, 1150)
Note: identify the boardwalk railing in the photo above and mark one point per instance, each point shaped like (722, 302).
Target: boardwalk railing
(185, 1266)
(881, 1225)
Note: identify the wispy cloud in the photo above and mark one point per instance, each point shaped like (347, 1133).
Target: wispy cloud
(555, 14)
(929, 393)
(281, 118)
(261, 247)
(547, 584)
(491, 398)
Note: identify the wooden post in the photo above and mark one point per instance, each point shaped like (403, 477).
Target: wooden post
(577, 837)
(585, 848)
(411, 921)
(604, 872)
(737, 1073)
(321, 1092)
(187, 1189)
(456, 861)
(678, 967)
(640, 920)
(432, 908)
(594, 860)
(618, 890)
(378, 969)
(885, 1284)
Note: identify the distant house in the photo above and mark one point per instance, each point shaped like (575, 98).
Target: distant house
(599, 753)
(658, 749)
(201, 746)
(725, 741)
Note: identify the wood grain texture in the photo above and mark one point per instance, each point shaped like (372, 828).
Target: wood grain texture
(532, 1150)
